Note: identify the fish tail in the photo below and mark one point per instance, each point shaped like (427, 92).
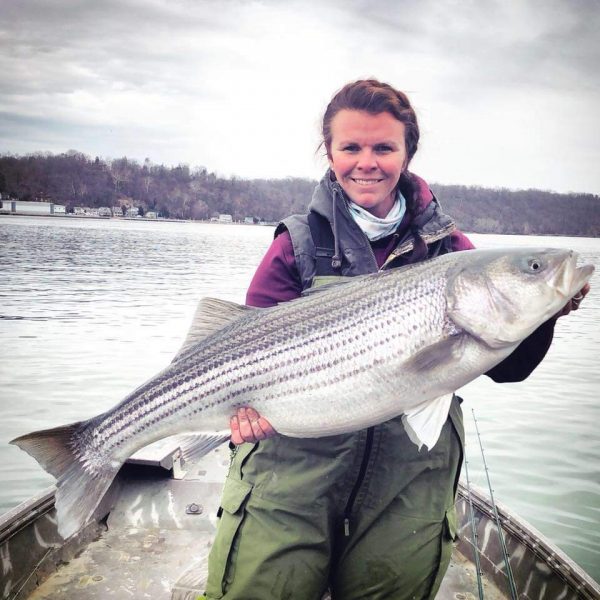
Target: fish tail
(81, 484)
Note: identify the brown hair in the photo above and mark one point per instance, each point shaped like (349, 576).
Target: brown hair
(374, 97)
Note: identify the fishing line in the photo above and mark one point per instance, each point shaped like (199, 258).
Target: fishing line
(32, 573)
(511, 580)
(474, 532)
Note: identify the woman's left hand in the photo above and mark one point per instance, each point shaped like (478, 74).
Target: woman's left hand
(575, 302)
(248, 426)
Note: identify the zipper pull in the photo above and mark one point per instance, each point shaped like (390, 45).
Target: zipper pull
(347, 527)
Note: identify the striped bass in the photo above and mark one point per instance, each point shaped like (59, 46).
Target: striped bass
(338, 360)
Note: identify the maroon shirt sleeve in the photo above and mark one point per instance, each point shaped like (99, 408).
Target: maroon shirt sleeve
(460, 241)
(276, 279)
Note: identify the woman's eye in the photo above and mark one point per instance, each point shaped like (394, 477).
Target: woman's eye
(383, 149)
(351, 148)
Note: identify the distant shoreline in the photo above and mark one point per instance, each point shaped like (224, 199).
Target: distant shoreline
(152, 220)
(208, 222)
(97, 218)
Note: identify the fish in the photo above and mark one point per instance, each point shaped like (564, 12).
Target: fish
(339, 359)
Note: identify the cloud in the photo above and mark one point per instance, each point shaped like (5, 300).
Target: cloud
(239, 86)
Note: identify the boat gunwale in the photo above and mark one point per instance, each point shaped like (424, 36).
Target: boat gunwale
(26, 513)
(530, 537)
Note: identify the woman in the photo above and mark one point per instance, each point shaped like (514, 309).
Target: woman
(366, 514)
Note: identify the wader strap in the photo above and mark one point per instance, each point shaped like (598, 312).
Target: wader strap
(440, 247)
(322, 237)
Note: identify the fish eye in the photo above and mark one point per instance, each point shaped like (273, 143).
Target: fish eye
(534, 264)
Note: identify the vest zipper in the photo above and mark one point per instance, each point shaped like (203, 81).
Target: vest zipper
(371, 430)
(359, 480)
(340, 191)
(389, 256)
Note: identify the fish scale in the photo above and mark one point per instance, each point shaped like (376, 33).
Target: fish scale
(287, 336)
(407, 310)
(341, 359)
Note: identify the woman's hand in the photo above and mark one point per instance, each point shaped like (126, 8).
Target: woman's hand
(248, 426)
(575, 301)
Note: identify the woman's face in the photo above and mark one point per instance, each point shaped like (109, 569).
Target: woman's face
(368, 155)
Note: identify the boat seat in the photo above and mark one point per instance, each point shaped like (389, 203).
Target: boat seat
(165, 453)
(175, 452)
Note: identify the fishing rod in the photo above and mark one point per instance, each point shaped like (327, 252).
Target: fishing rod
(511, 580)
(474, 532)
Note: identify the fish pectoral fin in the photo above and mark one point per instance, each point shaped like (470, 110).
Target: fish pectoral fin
(424, 423)
(211, 315)
(444, 352)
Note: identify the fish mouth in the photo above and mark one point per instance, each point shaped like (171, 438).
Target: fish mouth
(567, 278)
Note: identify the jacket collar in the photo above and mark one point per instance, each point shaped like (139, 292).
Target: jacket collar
(429, 219)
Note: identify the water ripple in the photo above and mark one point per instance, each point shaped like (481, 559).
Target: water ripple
(92, 308)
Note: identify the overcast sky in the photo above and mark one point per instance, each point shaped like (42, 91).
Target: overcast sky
(507, 92)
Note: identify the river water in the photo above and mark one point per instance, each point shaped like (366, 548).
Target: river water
(89, 309)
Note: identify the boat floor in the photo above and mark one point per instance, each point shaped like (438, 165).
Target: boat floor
(155, 547)
(148, 563)
(162, 518)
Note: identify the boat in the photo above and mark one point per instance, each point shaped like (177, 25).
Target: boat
(158, 519)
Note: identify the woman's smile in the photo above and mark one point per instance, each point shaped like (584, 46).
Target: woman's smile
(366, 181)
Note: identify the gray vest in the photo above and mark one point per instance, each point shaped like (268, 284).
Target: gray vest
(433, 226)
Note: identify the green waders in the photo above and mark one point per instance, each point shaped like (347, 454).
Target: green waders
(295, 523)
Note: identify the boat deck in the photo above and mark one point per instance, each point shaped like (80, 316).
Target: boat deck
(148, 563)
(156, 539)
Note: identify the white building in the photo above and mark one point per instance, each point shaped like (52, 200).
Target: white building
(151, 215)
(78, 210)
(104, 211)
(225, 219)
(27, 207)
(117, 211)
(134, 211)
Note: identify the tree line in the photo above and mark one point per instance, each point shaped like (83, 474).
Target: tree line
(181, 192)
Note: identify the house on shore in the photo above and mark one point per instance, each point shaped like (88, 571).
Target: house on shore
(27, 207)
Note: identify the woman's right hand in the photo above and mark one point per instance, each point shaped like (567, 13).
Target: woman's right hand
(248, 426)
(574, 302)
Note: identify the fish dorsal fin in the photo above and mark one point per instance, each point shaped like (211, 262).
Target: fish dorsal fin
(211, 315)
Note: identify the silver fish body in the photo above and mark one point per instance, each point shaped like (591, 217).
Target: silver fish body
(338, 360)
